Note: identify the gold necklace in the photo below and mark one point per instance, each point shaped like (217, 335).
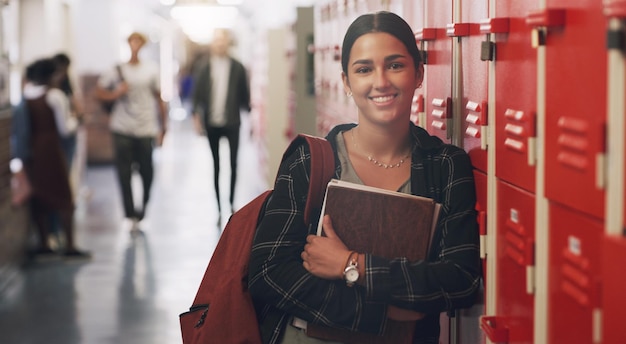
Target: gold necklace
(374, 160)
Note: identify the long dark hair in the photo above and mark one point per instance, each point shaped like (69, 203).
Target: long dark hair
(382, 21)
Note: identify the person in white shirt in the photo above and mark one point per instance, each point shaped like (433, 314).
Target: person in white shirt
(221, 91)
(138, 121)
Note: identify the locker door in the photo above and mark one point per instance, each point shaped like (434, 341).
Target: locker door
(516, 83)
(613, 284)
(468, 320)
(514, 318)
(574, 264)
(438, 76)
(576, 105)
(473, 78)
(515, 261)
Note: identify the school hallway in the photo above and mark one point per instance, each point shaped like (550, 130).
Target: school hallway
(137, 282)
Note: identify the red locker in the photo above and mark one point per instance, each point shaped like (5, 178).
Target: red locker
(516, 90)
(474, 79)
(575, 102)
(468, 320)
(574, 268)
(515, 257)
(613, 286)
(438, 76)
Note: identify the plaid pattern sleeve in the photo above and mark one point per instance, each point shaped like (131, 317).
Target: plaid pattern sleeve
(279, 284)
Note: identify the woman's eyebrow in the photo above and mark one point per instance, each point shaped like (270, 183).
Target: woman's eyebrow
(387, 59)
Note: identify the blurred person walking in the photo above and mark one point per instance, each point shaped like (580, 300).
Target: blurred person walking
(64, 84)
(221, 91)
(138, 121)
(49, 120)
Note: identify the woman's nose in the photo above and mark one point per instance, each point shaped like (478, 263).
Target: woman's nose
(380, 79)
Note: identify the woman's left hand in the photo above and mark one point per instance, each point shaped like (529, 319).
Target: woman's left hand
(325, 256)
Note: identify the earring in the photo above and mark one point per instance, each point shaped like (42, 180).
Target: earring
(349, 94)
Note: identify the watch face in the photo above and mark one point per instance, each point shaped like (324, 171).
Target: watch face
(352, 275)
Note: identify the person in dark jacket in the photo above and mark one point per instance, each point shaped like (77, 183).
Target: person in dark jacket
(297, 278)
(221, 91)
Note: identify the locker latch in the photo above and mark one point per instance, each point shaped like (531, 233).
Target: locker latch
(487, 50)
(421, 37)
(487, 27)
(543, 20)
(615, 39)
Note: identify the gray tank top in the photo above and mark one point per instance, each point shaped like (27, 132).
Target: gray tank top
(347, 170)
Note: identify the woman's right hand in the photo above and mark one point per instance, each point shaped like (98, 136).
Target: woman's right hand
(399, 314)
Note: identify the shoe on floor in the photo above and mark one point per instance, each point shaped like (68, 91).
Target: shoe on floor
(44, 254)
(76, 255)
(44, 251)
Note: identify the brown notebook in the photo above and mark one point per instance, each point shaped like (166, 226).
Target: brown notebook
(384, 223)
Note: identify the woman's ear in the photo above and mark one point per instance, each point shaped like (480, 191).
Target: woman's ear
(346, 84)
(419, 76)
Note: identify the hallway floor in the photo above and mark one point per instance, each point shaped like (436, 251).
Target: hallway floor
(136, 284)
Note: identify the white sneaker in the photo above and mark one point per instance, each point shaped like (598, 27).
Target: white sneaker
(129, 224)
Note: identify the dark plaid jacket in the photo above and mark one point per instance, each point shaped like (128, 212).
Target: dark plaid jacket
(449, 279)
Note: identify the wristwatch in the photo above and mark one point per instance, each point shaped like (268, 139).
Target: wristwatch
(351, 272)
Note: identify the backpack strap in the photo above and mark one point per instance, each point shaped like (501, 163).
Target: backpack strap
(322, 169)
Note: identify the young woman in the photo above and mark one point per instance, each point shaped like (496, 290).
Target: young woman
(295, 274)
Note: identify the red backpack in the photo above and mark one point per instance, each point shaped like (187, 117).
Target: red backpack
(222, 311)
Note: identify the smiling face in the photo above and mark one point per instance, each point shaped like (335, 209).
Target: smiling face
(382, 77)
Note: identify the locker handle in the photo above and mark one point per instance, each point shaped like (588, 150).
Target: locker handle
(515, 115)
(439, 125)
(494, 25)
(513, 129)
(480, 108)
(615, 9)
(473, 119)
(515, 145)
(473, 132)
(426, 34)
(546, 18)
(438, 102)
(489, 325)
(457, 29)
(438, 113)
(444, 103)
(576, 259)
(572, 124)
(473, 106)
